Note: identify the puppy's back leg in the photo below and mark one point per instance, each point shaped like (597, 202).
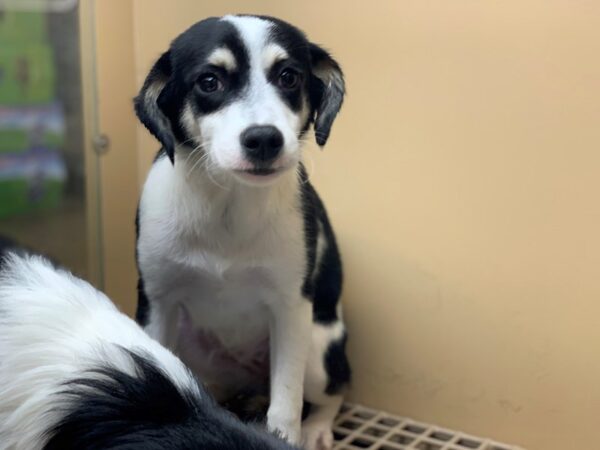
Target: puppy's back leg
(327, 375)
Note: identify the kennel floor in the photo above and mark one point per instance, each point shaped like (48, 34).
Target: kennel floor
(358, 427)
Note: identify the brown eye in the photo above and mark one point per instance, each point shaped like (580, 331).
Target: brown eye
(289, 79)
(209, 83)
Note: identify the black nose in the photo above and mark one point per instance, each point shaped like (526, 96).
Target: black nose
(261, 143)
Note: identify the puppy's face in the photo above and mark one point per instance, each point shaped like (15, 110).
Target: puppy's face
(240, 92)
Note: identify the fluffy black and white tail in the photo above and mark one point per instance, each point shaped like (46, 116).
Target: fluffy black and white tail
(75, 373)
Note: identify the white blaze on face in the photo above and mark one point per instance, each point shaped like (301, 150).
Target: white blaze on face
(259, 102)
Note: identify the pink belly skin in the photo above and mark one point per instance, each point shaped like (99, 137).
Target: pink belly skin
(225, 371)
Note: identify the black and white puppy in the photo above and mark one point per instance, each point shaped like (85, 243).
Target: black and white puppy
(239, 269)
(76, 374)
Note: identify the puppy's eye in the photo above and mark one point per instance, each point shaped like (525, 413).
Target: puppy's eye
(288, 79)
(209, 83)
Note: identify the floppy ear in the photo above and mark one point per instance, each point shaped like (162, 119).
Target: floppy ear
(327, 89)
(150, 104)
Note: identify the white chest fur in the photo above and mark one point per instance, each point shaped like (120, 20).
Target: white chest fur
(223, 253)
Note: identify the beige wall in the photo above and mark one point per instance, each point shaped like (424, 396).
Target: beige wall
(115, 70)
(463, 181)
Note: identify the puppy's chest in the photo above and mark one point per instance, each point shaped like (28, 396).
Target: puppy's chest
(226, 274)
(225, 325)
(224, 285)
(229, 297)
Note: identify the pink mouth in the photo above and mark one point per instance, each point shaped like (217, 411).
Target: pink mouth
(261, 172)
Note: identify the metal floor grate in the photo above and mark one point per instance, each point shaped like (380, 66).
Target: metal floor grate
(361, 428)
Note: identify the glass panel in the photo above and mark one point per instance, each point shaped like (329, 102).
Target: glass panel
(42, 166)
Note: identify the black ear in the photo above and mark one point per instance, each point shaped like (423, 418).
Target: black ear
(327, 89)
(149, 104)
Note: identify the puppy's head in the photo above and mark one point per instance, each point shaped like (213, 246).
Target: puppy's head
(241, 91)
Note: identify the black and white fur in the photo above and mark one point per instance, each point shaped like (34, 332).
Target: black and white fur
(239, 269)
(76, 374)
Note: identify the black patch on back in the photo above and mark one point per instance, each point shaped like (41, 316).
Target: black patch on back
(309, 201)
(322, 284)
(323, 281)
(109, 409)
(337, 366)
(142, 312)
(328, 283)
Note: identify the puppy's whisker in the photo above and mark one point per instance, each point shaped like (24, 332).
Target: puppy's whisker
(195, 150)
(203, 157)
(183, 143)
(192, 153)
(205, 160)
(210, 176)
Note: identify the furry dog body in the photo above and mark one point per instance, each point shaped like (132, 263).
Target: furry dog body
(76, 374)
(239, 268)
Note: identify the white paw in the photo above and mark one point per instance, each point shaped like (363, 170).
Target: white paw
(317, 436)
(287, 428)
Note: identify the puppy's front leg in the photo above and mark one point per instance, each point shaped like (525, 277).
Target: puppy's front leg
(289, 342)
